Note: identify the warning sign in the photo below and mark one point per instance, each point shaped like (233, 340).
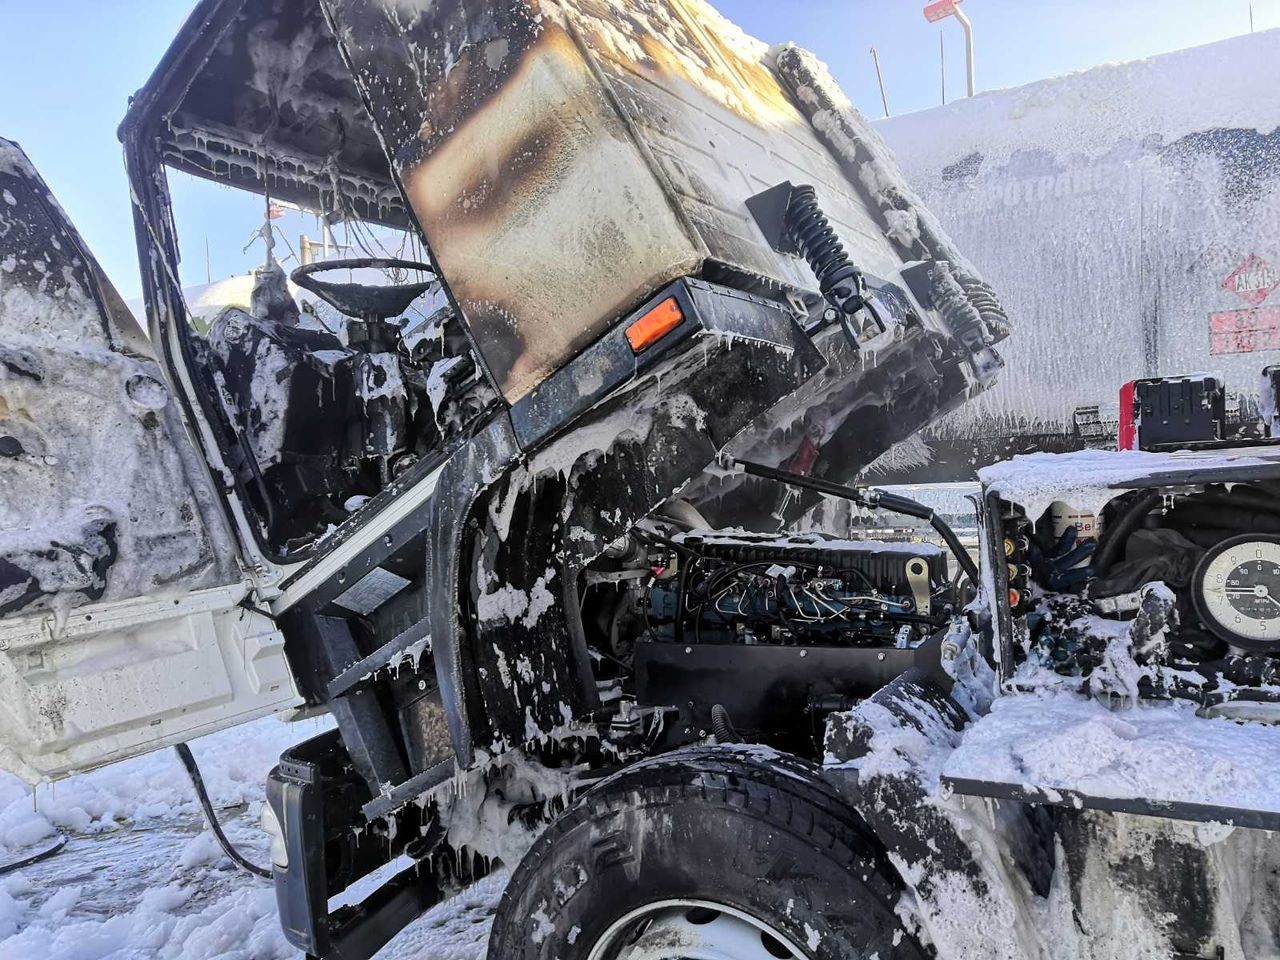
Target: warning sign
(1244, 331)
(1253, 280)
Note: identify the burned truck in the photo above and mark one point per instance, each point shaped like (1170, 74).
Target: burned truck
(537, 553)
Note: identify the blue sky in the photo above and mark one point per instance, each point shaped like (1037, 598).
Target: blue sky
(69, 66)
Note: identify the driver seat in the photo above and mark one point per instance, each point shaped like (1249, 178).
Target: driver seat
(288, 393)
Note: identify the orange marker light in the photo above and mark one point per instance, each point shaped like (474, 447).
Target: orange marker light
(654, 325)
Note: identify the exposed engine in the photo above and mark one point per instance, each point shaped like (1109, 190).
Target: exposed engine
(799, 590)
(737, 632)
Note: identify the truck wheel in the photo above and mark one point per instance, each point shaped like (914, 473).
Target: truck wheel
(714, 853)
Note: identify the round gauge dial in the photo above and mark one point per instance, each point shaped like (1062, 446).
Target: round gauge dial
(1237, 591)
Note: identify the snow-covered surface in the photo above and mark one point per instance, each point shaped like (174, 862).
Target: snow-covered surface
(142, 878)
(968, 860)
(1088, 479)
(1159, 752)
(1087, 112)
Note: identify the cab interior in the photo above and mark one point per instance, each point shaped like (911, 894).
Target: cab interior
(342, 377)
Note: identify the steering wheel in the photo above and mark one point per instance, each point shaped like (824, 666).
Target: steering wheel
(364, 301)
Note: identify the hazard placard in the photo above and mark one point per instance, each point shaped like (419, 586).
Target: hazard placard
(1252, 280)
(1244, 331)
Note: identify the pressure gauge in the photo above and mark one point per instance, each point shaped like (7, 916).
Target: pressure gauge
(1237, 591)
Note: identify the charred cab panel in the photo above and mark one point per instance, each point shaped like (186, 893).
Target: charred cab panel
(560, 173)
(271, 105)
(119, 585)
(88, 430)
(568, 159)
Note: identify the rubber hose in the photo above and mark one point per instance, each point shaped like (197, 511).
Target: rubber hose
(197, 781)
(45, 854)
(911, 508)
(885, 501)
(683, 514)
(1114, 538)
(722, 726)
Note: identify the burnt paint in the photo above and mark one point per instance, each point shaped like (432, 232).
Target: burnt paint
(1171, 878)
(43, 255)
(897, 806)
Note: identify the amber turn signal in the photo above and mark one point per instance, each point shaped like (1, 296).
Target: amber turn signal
(654, 325)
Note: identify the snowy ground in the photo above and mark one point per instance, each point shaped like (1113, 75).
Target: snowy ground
(141, 877)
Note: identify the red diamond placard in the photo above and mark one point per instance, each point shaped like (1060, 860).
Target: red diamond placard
(1253, 280)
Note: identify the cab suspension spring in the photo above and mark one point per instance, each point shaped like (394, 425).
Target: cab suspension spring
(838, 279)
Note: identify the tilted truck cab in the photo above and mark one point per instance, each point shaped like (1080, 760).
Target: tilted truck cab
(491, 544)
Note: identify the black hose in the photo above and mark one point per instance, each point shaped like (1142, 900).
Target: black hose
(875, 499)
(1115, 536)
(197, 781)
(1222, 516)
(1251, 498)
(652, 538)
(722, 726)
(45, 854)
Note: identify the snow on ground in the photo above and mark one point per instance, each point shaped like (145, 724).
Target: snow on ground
(142, 877)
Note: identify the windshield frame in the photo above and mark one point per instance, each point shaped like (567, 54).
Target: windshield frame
(147, 136)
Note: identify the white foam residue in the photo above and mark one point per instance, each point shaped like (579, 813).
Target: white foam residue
(540, 598)
(1151, 751)
(104, 464)
(438, 384)
(1089, 479)
(505, 603)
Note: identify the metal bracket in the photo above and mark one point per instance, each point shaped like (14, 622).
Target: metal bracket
(918, 580)
(770, 211)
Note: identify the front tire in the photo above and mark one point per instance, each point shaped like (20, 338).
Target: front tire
(708, 852)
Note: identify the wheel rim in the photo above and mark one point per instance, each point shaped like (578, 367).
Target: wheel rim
(693, 930)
